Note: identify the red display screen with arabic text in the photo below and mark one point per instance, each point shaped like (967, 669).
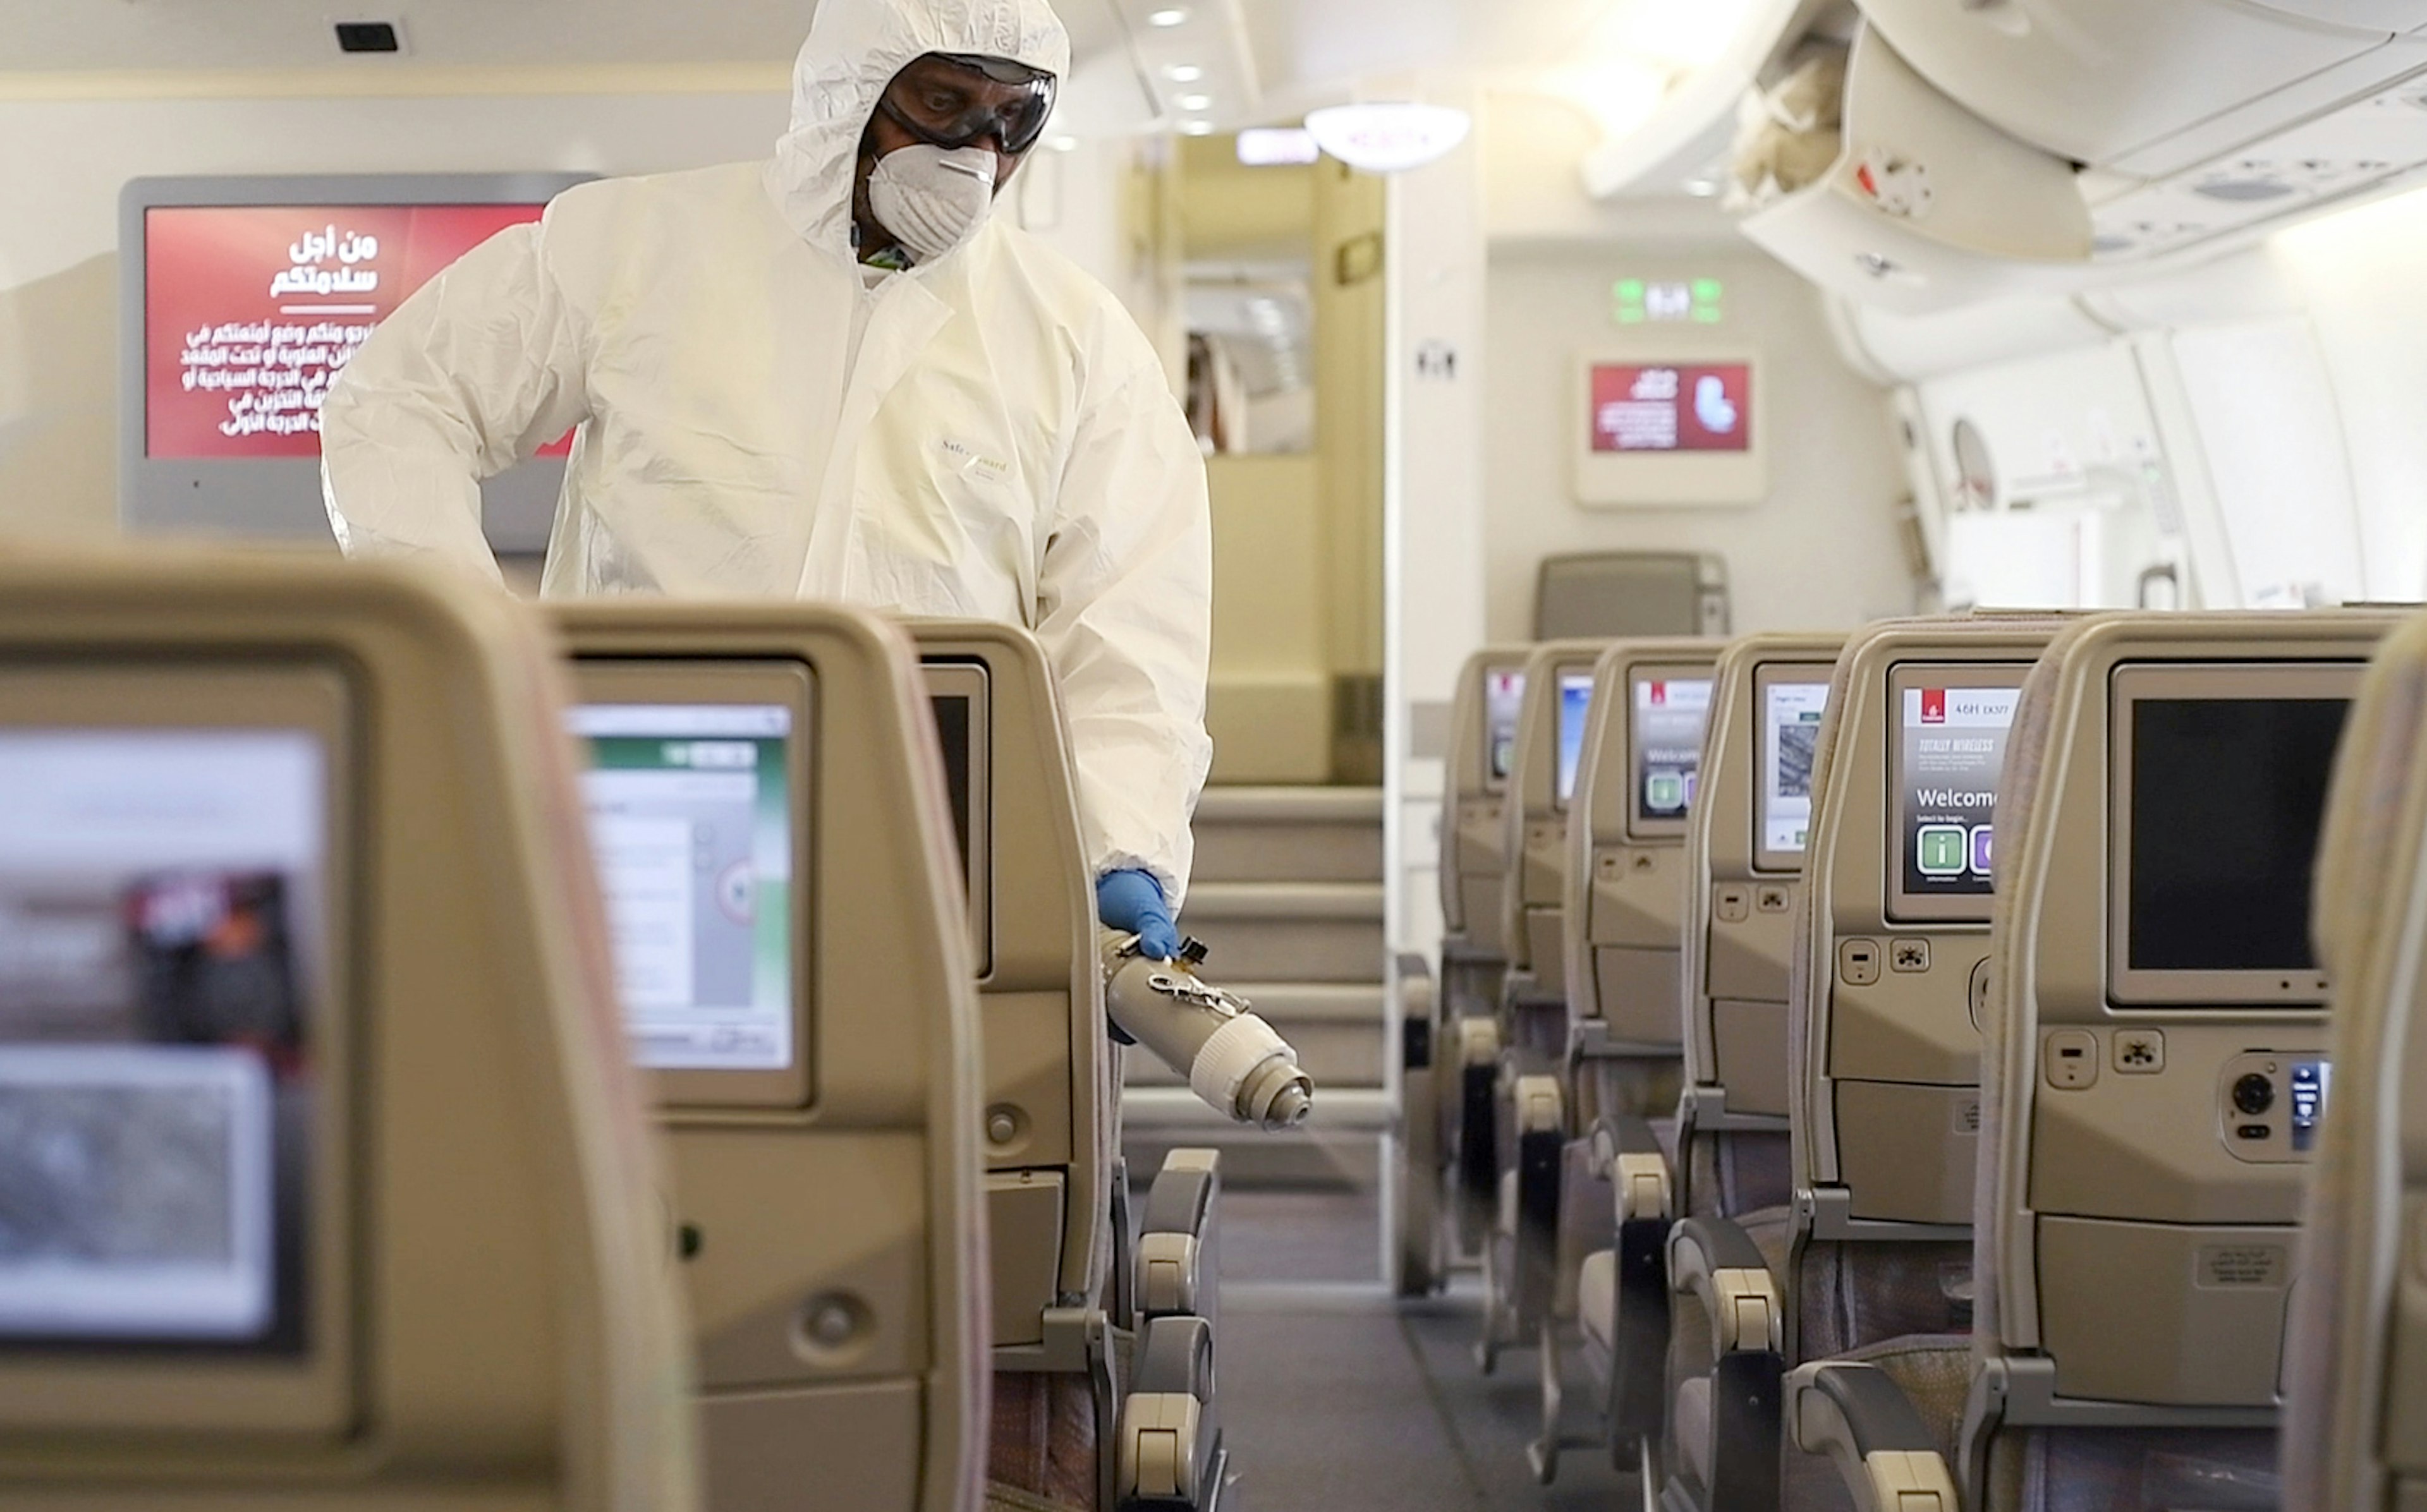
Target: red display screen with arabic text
(1665, 407)
(250, 311)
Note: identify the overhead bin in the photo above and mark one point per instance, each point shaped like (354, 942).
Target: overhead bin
(1927, 206)
(2153, 86)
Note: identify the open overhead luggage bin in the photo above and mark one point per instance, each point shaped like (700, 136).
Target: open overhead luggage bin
(1927, 206)
(2151, 86)
(1690, 128)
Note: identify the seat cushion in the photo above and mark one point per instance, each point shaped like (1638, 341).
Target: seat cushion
(1597, 1297)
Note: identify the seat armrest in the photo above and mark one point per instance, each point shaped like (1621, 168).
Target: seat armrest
(1176, 1248)
(1624, 1147)
(1859, 1417)
(1170, 1450)
(1720, 1264)
(1644, 1190)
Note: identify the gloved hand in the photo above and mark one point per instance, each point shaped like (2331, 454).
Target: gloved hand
(1132, 902)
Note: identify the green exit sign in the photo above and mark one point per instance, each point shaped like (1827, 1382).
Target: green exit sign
(1636, 301)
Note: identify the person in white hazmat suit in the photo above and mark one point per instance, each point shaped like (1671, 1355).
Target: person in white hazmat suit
(835, 375)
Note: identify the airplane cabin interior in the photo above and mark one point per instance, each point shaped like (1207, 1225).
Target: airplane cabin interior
(1214, 755)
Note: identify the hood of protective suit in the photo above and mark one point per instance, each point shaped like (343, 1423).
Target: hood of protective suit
(854, 49)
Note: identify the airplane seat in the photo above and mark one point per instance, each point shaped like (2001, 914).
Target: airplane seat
(2349, 1425)
(1530, 1107)
(769, 804)
(1050, 1108)
(1068, 1352)
(330, 1182)
(1742, 859)
(1613, 594)
(1637, 768)
(2153, 1072)
(1885, 935)
(1473, 956)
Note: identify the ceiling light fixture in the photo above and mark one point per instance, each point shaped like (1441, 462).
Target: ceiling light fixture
(1170, 16)
(1701, 189)
(1184, 73)
(1195, 102)
(1389, 137)
(1197, 128)
(1276, 147)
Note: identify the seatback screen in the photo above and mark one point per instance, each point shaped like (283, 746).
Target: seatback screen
(1503, 696)
(160, 891)
(691, 817)
(2226, 798)
(1576, 707)
(1950, 752)
(1665, 733)
(249, 312)
(1670, 407)
(1791, 710)
(952, 734)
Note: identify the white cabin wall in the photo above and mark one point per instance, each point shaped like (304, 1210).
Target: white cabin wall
(2357, 273)
(1434, 488)
(1823, 550)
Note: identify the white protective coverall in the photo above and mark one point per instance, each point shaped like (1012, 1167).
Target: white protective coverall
(988, 435)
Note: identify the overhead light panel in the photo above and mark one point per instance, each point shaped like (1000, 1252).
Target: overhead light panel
(1389, 137)
(1195, 102)
(1184, 73)
(1197, 128)
(1169, 16)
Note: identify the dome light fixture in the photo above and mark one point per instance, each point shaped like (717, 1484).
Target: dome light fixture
(1388, 135)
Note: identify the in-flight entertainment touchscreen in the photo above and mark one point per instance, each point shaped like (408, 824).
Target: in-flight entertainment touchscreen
(691, 817)
(1504, 695)
(1576, 707)
(2227, 797)
(160, 905)
(1666, 729)
(249, 312)
(1672, 407)
(1791, 707)
(1952, 726)
(2216, 798)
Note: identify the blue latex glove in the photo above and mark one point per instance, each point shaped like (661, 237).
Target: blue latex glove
(1132, 902)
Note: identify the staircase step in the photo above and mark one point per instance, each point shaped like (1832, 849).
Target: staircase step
(1289, 833)
(1296, 805)
(1315, 932)
(1286, 900)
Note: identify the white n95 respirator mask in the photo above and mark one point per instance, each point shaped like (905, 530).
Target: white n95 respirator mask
(931, 198)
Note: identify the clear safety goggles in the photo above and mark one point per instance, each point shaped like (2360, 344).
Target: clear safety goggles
(952, 100)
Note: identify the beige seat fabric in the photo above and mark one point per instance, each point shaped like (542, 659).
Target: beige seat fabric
(1619, 927)
(2347, 1440)
(2104, 1377)
(481, 1302)
(1873, 1254)
(1049, 1101)
(1473, 826)
(851, 1214)
(1533, 1002)
(1465, 1042)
